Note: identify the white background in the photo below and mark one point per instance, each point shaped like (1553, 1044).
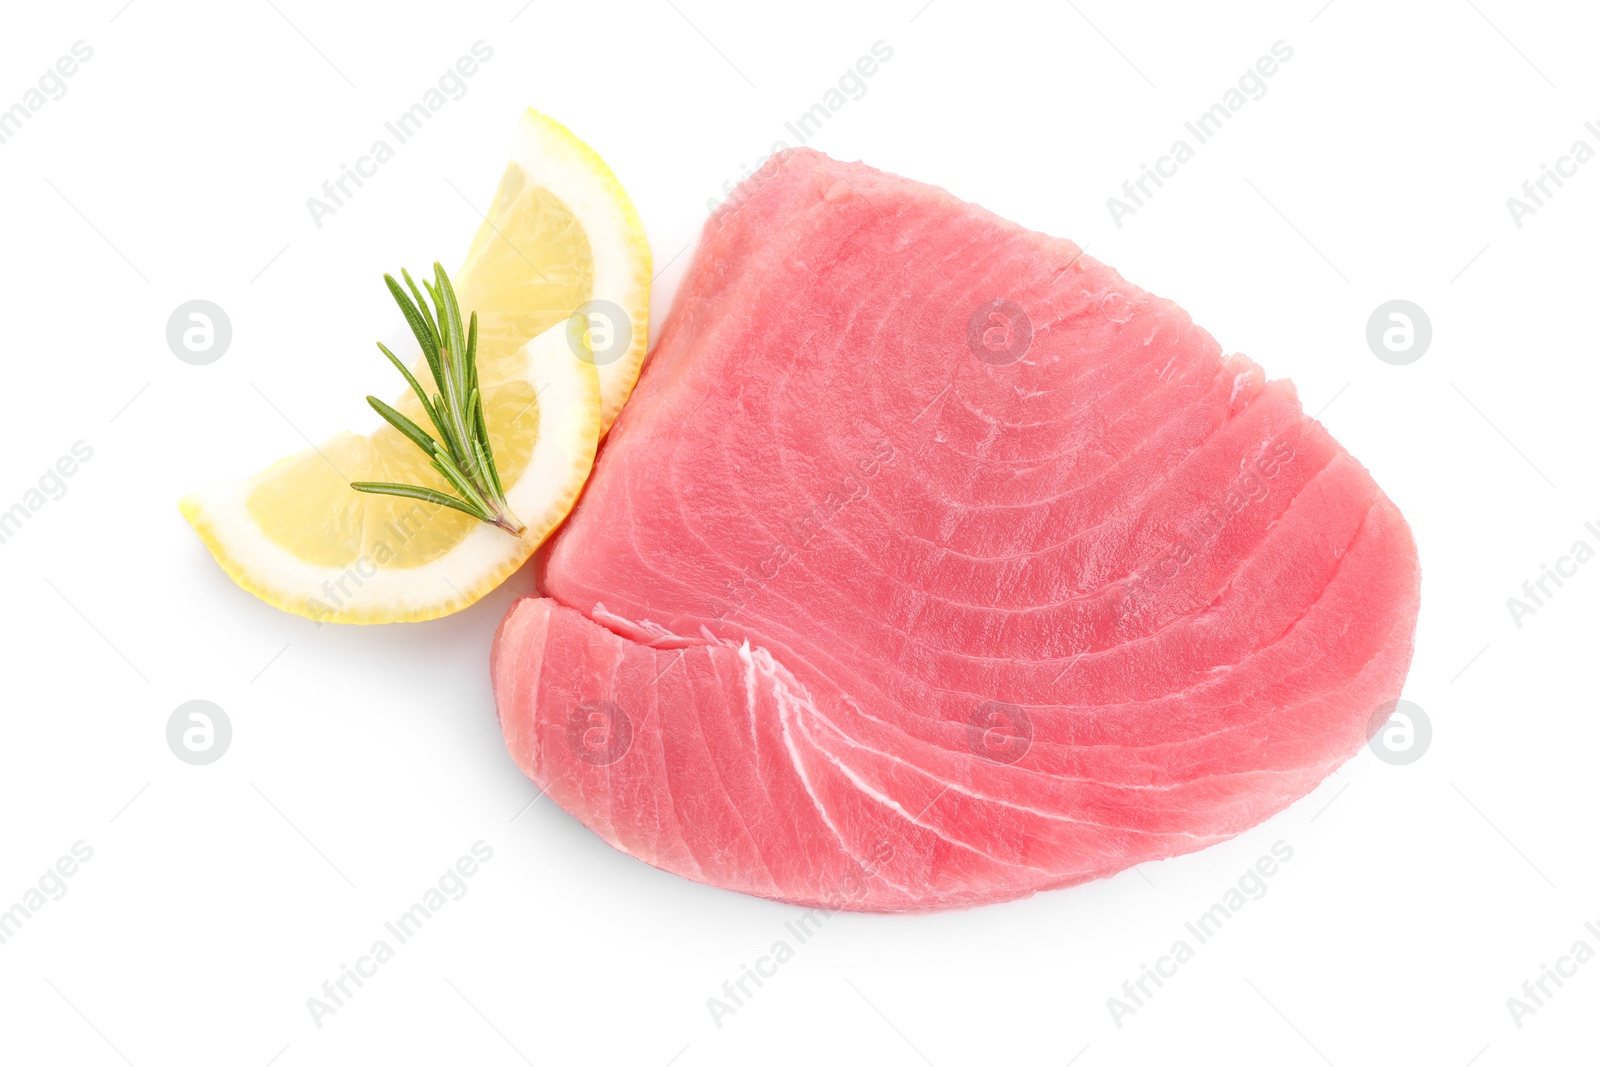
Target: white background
(366, 760)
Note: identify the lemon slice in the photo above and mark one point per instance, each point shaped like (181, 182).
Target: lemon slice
(560, 237)
(612, 292)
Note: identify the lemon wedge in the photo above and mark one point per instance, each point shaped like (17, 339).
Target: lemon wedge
(559, 277)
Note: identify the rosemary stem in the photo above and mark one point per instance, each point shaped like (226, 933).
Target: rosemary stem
(510, 524)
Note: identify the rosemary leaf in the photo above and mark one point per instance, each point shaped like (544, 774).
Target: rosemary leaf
(427, 318)
(482, 430)
(417, 492)
(416, 318)
(480, 442)
(427, 405)
(436, 320)
(480, 436)
(454, 335)
(417, 434)
(417, 294)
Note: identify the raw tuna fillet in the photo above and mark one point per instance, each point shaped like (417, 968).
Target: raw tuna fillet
(934, 564)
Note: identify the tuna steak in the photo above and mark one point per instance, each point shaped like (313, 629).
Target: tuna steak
(934, 564)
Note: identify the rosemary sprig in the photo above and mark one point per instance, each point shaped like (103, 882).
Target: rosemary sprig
(461, 454)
